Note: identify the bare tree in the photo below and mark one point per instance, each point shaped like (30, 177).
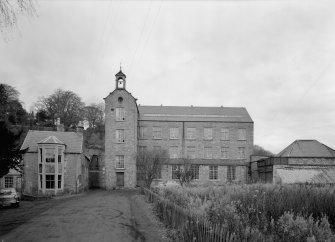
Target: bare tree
(149, 164)
(65, 105)
(94, 115)
(258, 150)
(184, 172)
(9, 10)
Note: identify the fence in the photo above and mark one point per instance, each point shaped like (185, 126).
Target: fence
(191, 227)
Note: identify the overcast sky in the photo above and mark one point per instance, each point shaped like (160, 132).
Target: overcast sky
(276, 58)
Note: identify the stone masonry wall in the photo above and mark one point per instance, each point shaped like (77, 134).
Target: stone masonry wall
(112, 147)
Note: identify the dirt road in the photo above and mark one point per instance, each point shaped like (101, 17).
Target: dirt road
(98, 215)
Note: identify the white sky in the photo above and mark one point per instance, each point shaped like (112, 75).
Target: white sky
(276, 58)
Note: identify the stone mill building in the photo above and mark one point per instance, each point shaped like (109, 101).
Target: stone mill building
(218, 140)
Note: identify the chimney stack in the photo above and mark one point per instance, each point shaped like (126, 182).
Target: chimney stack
(80, 127)
(59, 126)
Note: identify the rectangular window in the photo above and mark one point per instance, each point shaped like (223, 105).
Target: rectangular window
(119, 162)
(190, 150)
(195, 171)
(191, 133)
(49, 181)
(50, 155)
(143, 132)
(119, 114)
(173, 152)
(224, 134)
(39, 168)
(175, 170)
(59, 181)
(241, 134)
(224, 153)
(241, 152)
(9, 181)
(41, 155)
(60, 154)
(208, 153)
(174, 133)
(208, 133)
(119, 135)
(231, 173)
(41, 181)
(156, 132)
(213, 172)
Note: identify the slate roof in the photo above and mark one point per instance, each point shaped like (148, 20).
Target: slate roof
(307, 175)
(72, 140)
(307, 148)
(204, 114)
(120, 73)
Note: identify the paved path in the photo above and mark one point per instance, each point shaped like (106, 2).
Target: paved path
(96, 216)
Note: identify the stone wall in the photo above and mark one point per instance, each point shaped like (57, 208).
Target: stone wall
(127, 148)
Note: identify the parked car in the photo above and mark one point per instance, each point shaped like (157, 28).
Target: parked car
(9, 197)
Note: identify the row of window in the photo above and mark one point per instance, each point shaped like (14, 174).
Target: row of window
(212, 175)
(191, 133)
(191, 152)
(50, 181)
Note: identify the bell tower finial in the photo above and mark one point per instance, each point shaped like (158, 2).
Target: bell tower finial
(120, 79)
(120, 66)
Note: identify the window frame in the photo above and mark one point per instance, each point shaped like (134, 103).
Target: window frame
(9, 181)
(206, 136)
(242, 134)
(213, 172)
(174, 169)
(225, 133)
(176, 148)
(191, 135)
(208, 155)
(118, 161)
(231, 173)
(241, 153)
(119, 114)
(174, 135)
(195, 169)
(224, 150)
(118, 135)
(156, 130)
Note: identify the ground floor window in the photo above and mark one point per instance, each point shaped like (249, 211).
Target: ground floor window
(9, 181)
(175, 169)
(49, 181)
(213, 172)
(231, 173)
(195, 171)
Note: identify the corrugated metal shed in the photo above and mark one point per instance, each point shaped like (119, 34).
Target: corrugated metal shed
(307, 148)
(306, 175)
(183, 113)
(72, 140)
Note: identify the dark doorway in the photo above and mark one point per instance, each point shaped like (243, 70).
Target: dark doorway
(120, 179)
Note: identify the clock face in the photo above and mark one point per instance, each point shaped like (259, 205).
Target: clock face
(120, 99)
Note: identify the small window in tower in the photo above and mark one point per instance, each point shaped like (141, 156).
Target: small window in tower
(120, 99)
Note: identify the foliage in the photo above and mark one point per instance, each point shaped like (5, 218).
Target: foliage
(149, 164)
(94, 115)
(258, 150)
(280, 213)
(65, 105)
(184, 172)
(11, 109)
(10, 154)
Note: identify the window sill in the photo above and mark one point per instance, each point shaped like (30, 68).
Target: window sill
(122, 169)
(157, 138)
(174, 138)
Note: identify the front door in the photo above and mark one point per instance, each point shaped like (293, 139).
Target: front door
(120, 179)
